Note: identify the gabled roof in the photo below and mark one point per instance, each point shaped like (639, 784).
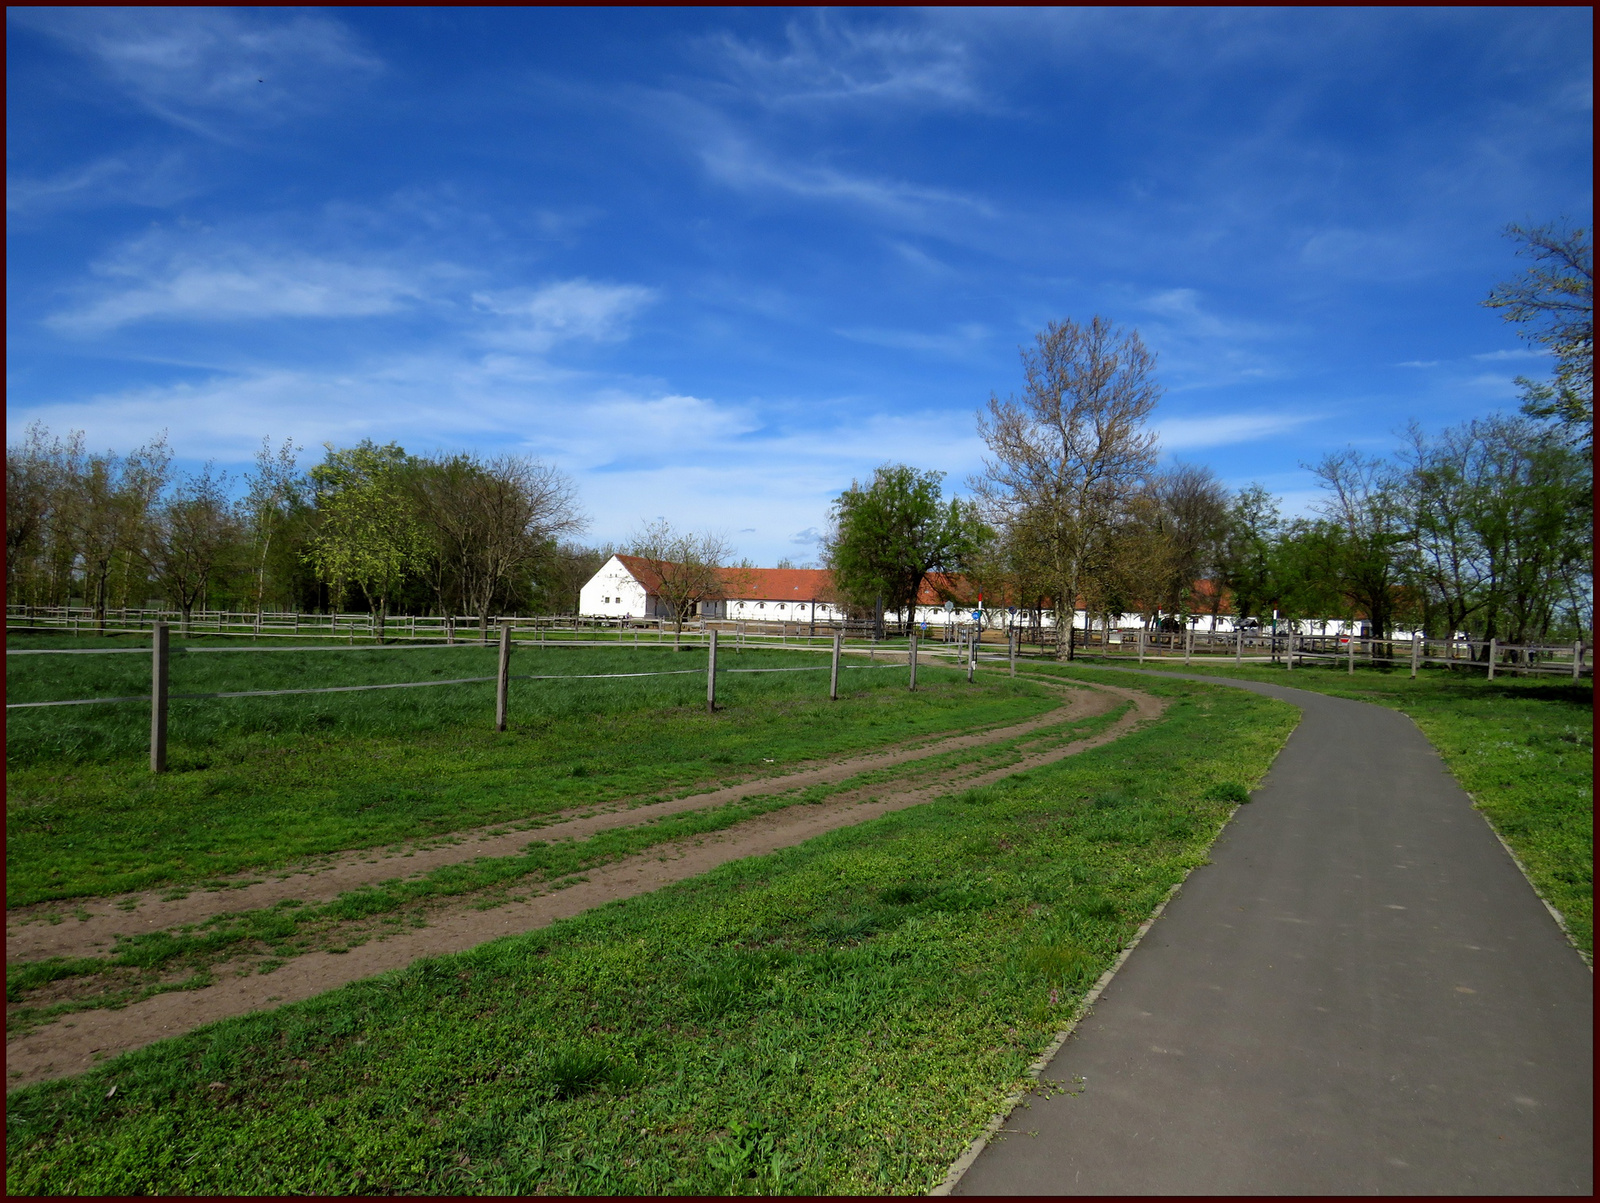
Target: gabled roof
(749, 584)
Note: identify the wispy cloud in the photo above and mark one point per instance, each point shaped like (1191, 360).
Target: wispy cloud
(830, 61)
(538, 319)
(201, 278)
(1220, 430)
(1518, 353)
(958, 342)
(1418, 363)
(207, 68)
(131, 178)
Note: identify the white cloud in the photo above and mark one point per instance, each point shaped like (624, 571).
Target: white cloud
(960, 341)
(1519, 353)
(840, 61)
(634, 451)
(201, 67)
(538, 319)
(203, 278)
(1220, 430)
(134, 178)
(1418, 363)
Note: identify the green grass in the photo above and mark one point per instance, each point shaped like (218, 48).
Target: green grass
(840, 1017)
(1523, 747)
(142, 965)
(262, 782)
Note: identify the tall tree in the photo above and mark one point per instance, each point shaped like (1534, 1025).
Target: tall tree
(890, 535)
(1067, 457)
(1364, 532)
(1554, 303)
(370, 534)
(106, 505)
(275, 490)
(193, 535)
(494, 522)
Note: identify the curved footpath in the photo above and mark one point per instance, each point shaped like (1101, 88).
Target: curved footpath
(1360, 994)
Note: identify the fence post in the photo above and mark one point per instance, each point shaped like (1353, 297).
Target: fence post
(711, 672)
(1577, 658)
(502, 679)
(1416, 655)
(1351, 667)
(1188, 647)
(1238, 643)
(833, 672)
(911, 659)
(972, 653)
(1141, 643)
(1288, 655)
(1011, 650)
(1493, 651)
(158, 699)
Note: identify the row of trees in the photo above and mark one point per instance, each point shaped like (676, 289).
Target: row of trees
(370, 527)
(1483, 528)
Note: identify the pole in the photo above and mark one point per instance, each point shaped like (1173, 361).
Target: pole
(502, 678)
(1011, 648)
(972, 653)
(158, 699)
(1141, 642)
(711, 672)
(1493, 651)
(1351, 658)
(833, 672)
(912, 660)
(1288, 649)
(1188, 647)
(1238, 643)
(1577, 658)
(1416, 655)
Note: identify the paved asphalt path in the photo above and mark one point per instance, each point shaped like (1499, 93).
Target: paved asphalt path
(1361, 994)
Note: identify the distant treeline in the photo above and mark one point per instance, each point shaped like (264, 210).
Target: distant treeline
(370, 528)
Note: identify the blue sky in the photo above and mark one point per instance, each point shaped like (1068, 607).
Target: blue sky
(716, 263)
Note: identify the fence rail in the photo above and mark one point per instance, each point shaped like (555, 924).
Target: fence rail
(160, 652)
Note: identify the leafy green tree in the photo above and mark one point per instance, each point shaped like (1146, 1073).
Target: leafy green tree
(1247, 563)
(370, 534)
(1554, 303)
(890, 534)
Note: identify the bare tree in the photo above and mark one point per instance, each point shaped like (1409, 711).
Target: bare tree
(1069, 454)
(191, 535)
(36, 475)
(106, 504)
(274, 488)
(687, 567)
(496, 521)
(1188, 513)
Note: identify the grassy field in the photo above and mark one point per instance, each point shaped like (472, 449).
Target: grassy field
(840, 1017)
(259, 782)
(260, 939)
(1522, 747)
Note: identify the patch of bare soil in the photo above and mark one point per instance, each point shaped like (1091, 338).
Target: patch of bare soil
(75, 1044)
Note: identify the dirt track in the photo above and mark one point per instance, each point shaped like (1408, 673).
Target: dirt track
(74, 1043)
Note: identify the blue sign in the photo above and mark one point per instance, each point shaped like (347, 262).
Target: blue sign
(977, 616)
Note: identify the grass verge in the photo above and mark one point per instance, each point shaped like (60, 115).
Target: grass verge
(1522, 747)
(840, 1017)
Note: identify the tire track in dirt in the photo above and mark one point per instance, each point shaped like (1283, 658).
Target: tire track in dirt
(75, 1044)
(53, 930)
